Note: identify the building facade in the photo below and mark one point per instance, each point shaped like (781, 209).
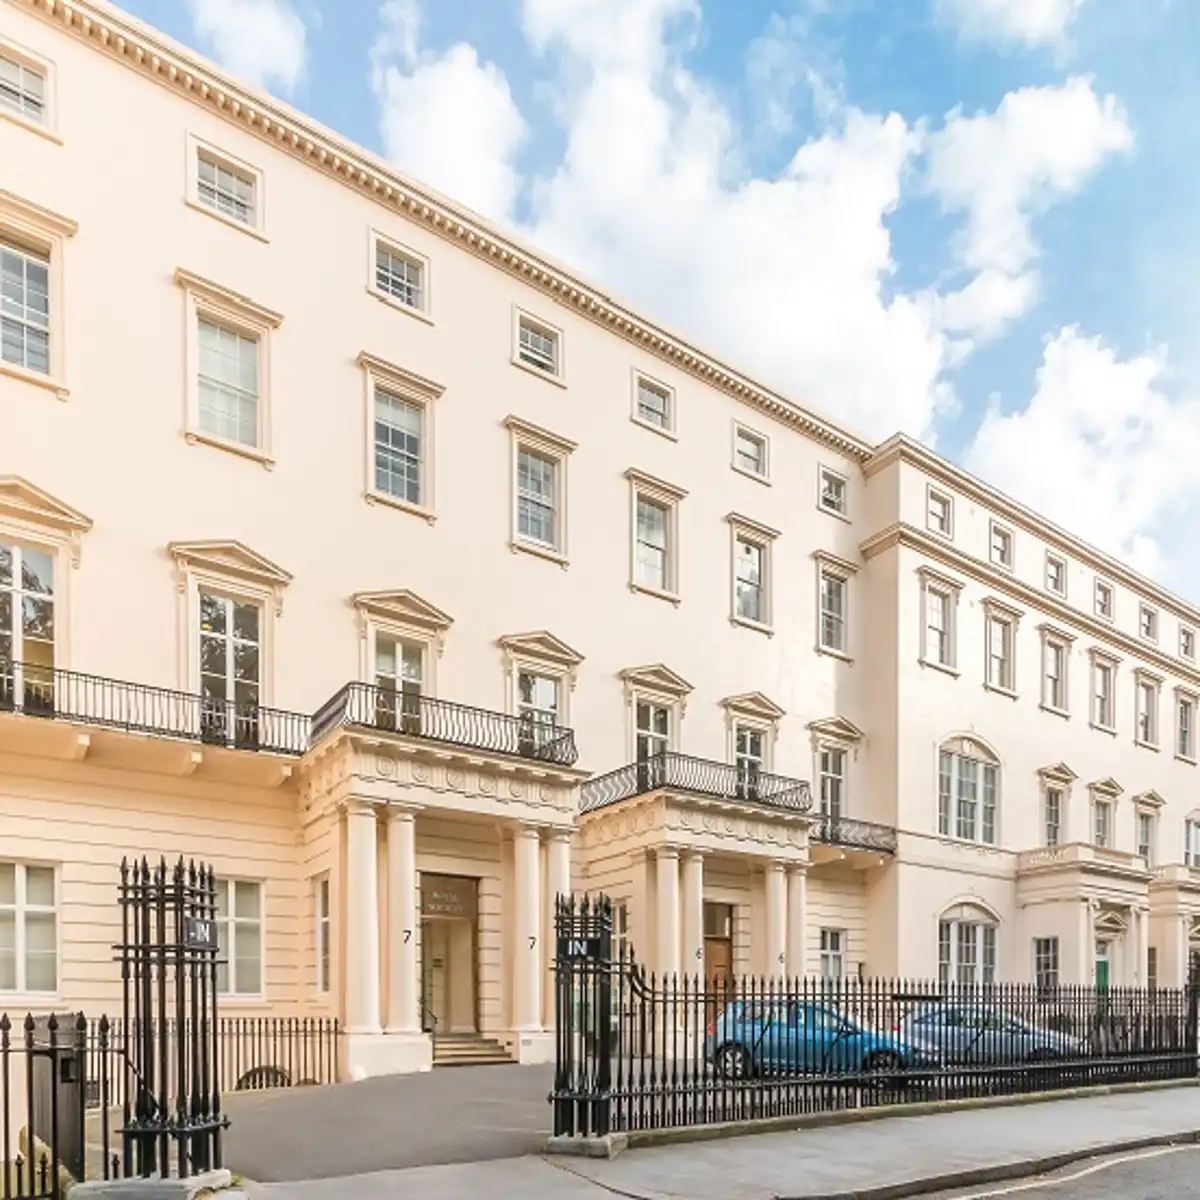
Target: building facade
(357, 548)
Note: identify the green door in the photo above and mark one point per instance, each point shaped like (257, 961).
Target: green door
(1102, 967)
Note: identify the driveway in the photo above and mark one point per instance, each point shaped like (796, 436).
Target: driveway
(453, 1115)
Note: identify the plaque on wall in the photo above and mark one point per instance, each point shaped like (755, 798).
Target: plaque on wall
(448, 896)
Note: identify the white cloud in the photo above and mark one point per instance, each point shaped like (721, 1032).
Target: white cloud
(447, 119)
(263, 41)
(1001, 169)
(1102, 448)
(1012, 22)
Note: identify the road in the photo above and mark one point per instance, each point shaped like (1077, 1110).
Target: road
(1171, 1173)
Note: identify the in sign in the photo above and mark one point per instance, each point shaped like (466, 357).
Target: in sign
(199, 933)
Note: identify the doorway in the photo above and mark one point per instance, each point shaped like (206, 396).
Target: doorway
(718, 945)
(1103, 960)
(449, 954)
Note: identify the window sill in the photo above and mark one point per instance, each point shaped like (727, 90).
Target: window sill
(547, 552)
(944, 668)
(1009, 693)
(833, 652)
(969, 843)
(1146, 745)
(35, 1000)
(1057, 595)
(765, 480)
(1186, 758)
(195, 438)
(538, 373)
(227, 1001)
(833, 512)
(757, 626)
(418, 314)
(946, 536)
(417, 510)
(36, 378)
(1111, 730)
(23, 122)
(1007, 568)
(1055, 711)
(661, 430)
(233, 223)
(658, 593)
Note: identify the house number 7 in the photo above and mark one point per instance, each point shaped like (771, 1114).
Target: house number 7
(532, 942)
(407, 936)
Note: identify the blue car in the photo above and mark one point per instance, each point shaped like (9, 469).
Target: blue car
(798, 1038)
(973, 1033)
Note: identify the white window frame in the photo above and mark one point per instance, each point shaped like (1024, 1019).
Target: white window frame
(1054, 812)
(661, 687)
(739, 431)
(198, 148)
(378, 240)
(638, 379)
(1008, 621)
(402, 616)
(825, 477)
(1191, 841)
(1187, 643)
(208, 301)
(762, 538)
(833, 954)
(657, 743)
(829, 780)
(20, 910)
(28, 60)
(1147, 704)
(958, 810)
(522, 316)
(986, 938)
(831, 567)
(30, 228)
(230, 598)
(668, 497)
(1056, 640)
(1104, 599)
(323, 930)
(1046, 962)
(1055, 561)
(1102, 661)
(1000, 535)
(230, 994)
(1146, 818)
(556, 450)
(932, 583)
(1148, 623)
(1185, 698)
(394, 380)
(522, 655)
(1103, 812)
(939, 512)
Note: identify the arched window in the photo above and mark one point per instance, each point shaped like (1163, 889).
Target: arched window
(968, 791)
(966, 946)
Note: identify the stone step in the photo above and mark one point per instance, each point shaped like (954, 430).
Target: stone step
(460, 1050)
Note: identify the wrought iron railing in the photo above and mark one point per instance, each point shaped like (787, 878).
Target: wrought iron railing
(72, 696)
(366, 705)
(857, 835)
(700, 777)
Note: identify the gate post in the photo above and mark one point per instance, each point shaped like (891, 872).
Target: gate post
(601, 1115)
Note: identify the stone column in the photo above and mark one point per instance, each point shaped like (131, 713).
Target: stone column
(558, 883)
(797, 921)
(693, 914)
(1086, 948)
(777, 914)
(403, 1011)
(1183, 950)
(668, 910)
(527, 922)
(362, 920)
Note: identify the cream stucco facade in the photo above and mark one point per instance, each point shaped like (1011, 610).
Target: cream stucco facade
(410, 579)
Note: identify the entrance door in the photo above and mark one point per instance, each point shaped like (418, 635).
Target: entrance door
(1102, 965)
(449, 904)
(433, 974)
(718, 945)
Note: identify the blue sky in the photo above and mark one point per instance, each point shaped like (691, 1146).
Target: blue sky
(969, 219)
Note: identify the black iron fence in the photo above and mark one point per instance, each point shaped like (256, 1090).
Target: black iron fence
(635, 1051)
(71, 696)
(698, 777)
(366, 705)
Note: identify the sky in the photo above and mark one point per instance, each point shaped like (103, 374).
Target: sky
(969, 220)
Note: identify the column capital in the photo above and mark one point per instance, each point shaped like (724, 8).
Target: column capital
(402, 813)
(360, 806)
(554, 834)
(798, 868)
(777, 864)
(525, 830)
(666, 851)
(694, 855)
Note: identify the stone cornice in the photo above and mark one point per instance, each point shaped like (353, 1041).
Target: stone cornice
(901, 448)
(173, 66)
(911, 538)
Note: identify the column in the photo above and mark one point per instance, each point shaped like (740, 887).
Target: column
(362, 920)
(558, 883)
(404, 1012)
(668, 910)
(693, 914)
(1085, 950)
(797, 921)
(1183, 950)
(776, 886)
(527, 920)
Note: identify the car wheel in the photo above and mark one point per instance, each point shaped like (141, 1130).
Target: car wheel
(882, 1062)
(733, 1062)
(1043, 1055)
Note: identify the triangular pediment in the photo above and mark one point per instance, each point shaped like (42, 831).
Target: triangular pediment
(541, 645)
(21, 500)
(404, 607)
(753, 704)
(1058, 772)
(1107, 786)
(230, 558)
(1150, 799)
(836, 728)
(656, 678)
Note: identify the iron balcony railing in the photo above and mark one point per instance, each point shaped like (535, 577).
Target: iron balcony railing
(366, 705)
(49, 692)
(700, 777)
(857, 835)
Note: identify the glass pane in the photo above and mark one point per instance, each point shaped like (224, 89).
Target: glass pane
(212, 613)
(212, 657)
(385, 656)
(39, 886)
(245, 622)
(37, 572)
(245, 662)
(8, 885)
(6, 565)
(248, 958)
(222, 898)
(40, 933)
(247, 900)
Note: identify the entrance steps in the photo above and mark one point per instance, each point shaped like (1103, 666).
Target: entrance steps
(468, 1050)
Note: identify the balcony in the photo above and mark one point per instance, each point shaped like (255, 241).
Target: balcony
(696, 777)
(853, 835)
(75, 698)
(366, 706)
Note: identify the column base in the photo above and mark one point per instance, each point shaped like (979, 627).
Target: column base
(370, 1054)
(531, 1045)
